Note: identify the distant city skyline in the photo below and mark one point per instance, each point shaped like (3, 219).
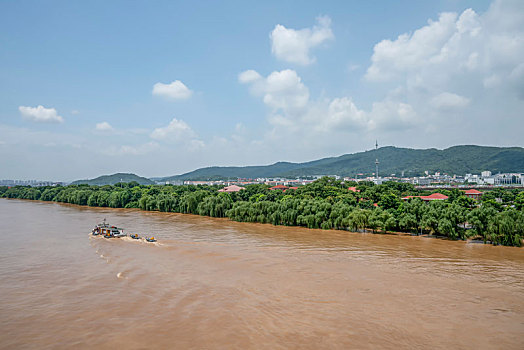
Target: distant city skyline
(163, 88)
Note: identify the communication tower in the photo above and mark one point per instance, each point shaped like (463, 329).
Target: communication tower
(376, 160)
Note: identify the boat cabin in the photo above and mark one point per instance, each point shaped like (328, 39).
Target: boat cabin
(105, 229)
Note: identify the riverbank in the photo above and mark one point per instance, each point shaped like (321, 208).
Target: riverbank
(360, 232)
(323, 204)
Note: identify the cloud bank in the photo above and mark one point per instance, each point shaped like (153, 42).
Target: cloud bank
(486, 49)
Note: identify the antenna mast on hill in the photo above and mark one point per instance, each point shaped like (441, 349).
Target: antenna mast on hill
(376, 161)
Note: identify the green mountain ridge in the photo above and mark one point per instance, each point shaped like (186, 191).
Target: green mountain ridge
(393, 160)
(458, 160)
(114, 179)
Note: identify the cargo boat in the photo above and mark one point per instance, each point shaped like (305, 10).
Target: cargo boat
(108, 231)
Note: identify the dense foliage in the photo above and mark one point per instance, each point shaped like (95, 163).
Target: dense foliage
(324, 204)
(393, 160)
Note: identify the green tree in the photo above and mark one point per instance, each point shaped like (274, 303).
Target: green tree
(480, 218)
(376, 219)
(358, 219)
(389, 201)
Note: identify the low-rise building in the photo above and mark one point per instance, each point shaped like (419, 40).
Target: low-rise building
(421, 181)
(432, 197)
(509, 179)
(474, 194)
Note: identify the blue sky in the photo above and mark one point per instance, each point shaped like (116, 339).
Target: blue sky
(161, 87)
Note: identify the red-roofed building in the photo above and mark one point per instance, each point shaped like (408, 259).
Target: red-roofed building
(279, 187)
(232, 188)
(435, 196)
(432, 197)
(474, 194)
(354, 189)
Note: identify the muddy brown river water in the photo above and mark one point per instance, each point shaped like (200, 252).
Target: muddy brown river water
(216, 284)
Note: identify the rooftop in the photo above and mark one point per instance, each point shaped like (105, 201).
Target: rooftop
(472, 191)
(431, 197)
(232, 188)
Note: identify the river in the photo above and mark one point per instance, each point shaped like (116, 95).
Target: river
(215, 284)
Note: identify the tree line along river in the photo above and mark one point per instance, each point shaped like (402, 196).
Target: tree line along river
(327, 203)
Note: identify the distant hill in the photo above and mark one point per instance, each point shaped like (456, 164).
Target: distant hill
(234, 172)
(413, 162)
(114, 179)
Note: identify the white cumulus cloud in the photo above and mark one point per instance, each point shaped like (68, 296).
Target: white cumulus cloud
(280, 90)
(176, 129)
(292, 112)
(410, 52)
(178, 132)
(459, 69)
(40, 114)
(249, 76)
(482, 49)
(294, 46)
(104, 126)
(393, 115)
(343, 114)
(175, 90)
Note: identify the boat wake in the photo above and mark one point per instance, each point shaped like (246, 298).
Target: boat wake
(129, 239)
(140, 240)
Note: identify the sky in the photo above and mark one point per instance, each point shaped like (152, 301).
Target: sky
(160, 88)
